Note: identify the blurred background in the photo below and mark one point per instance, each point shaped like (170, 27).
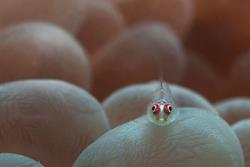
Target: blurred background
(101, 46)
(200, 44)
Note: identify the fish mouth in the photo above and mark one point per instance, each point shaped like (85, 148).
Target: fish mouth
(162, 119)
(161, 122)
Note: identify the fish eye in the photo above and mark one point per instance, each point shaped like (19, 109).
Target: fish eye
(156, 108)
(167, 108)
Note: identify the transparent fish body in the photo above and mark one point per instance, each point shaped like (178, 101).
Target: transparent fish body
(162, 109)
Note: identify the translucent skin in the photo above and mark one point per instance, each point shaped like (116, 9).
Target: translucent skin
(119, 109)
(163, 98)
(160, 118)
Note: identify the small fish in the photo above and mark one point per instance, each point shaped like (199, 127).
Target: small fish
(162, 106)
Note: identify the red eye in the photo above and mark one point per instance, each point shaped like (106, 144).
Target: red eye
(156, 108)
(167, 108)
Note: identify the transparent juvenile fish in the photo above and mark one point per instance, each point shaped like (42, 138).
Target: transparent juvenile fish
(162, 109)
